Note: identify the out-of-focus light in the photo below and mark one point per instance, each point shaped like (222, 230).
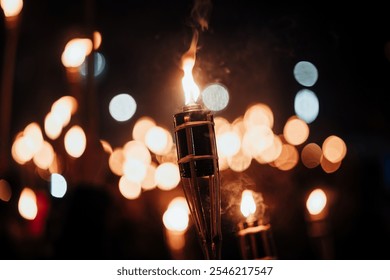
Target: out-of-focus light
(171, 156)
(149, 182)
(248, 205)
(21, 152)
(116, 161)
(76, 51)
(56, 166)
(311, 155)
(306, 105)
(97, 39)
(167, 176)
(58, 185)
(137, 150)
(295, 131)
(238, 126)
(176, 217)
(288, 158)
(158, 140)
(257, 139)
(271, 153)
(5, 190)
(75, 141)
(316, 202)
(122, 107)
(129, 189)
(63, 109)
(11, 8)
(106, 146)
(134, 170)
(305, 73)
(239, 162)
(328, 166)
(221, 125)
(100, 65)
(27, 204)
(53, 126)
(141, 127)
(215, 97)
(334, 149)
(223, 163)
(228, 144)
(259, 114)
(45, 156)
(33, 137)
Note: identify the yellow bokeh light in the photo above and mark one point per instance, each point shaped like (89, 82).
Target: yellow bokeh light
(311, 155)
(221, 125)
(5, 190)
(20, 150)
(239, 162)
(316, 202)
(106, 146)
(137, 150)
(176, 217)
(257, 139)
(33, 137)
(63, 109)
(228, 144)
(288, 158)
(116, 161)
(158, 140)
(45, 156)
(167, 176)
(75, 141)
(149, 182)
(75, 52)
(141, 127)
(129, 189)
(328, 166)
(223, 163)
(27, 204)
(97, 39)
(271, 153)
(334, 149)
(258, 114)
(134, 170)
(295, 131)
(53, 126)
(11, 8)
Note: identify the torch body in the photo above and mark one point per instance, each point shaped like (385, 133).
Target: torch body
(198, 164)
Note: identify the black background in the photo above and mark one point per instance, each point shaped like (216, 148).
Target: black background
(249, 46)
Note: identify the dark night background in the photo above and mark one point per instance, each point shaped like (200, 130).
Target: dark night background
(251, 47)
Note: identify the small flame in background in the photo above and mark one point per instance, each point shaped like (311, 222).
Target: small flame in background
(11, 8)
(248, 205)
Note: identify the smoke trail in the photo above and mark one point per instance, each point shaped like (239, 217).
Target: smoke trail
(201, 12)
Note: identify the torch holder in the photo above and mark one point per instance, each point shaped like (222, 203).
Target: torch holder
(256, 241)
(198, 165)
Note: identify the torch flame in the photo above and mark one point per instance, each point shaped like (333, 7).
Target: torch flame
(248, 205)
(316, 202)
(191, 90)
